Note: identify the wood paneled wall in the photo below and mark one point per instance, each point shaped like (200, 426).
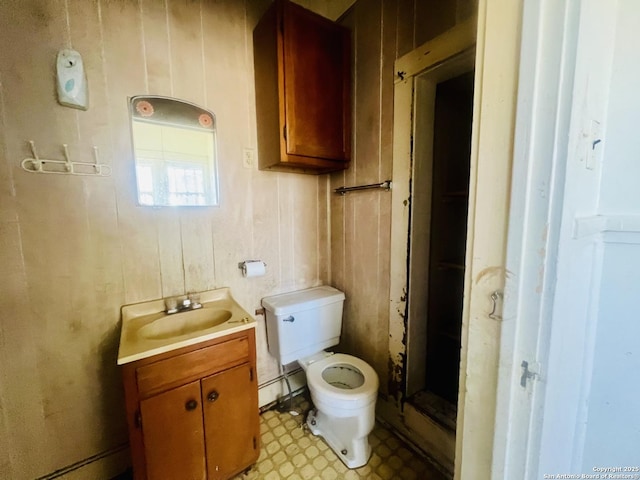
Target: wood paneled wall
(74, 249)
(383, 30)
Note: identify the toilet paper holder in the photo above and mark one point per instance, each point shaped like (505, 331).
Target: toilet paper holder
(243, 265)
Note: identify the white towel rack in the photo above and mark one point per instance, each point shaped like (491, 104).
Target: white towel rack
(66, 166)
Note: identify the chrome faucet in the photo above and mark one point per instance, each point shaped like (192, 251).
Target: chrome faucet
(180, 304)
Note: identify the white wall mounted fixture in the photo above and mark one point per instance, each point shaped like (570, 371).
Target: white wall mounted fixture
(71, 80)
(38, 164)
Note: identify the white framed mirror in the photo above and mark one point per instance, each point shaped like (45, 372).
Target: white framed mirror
(174, 147)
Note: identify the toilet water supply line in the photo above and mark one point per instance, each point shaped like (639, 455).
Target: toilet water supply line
(283, 374)
(293, 412)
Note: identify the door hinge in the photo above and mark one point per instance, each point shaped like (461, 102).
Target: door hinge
(284, 132)
(255, 443)
(137, 419)
(529, 371)
(251, 374)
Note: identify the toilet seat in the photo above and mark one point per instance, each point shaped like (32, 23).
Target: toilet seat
(340, 397)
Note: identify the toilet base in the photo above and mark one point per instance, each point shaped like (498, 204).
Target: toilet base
(343, 435)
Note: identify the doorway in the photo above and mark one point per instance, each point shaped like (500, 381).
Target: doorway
(468, 450)
(438, 103)
(448, 234)
(438, 238)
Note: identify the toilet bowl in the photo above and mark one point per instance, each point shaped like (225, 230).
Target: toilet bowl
(341, 382)
(343, 388)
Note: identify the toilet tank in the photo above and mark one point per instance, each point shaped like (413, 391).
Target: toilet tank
(304, 322)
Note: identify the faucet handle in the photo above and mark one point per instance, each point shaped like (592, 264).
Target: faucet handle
(171, 304)
(194, 299)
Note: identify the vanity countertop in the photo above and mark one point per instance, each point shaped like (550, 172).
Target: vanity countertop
(147, 330)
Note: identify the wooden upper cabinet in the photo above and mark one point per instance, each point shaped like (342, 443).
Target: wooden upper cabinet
(302, 72)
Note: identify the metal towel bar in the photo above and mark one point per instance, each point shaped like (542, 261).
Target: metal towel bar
(386, 185)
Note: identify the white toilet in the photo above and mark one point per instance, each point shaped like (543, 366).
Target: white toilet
(300, 325)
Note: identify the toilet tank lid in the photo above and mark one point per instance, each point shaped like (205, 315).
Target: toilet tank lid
(287, 303)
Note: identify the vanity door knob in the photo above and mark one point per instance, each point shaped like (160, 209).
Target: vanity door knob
(191, 405)
(213, 396)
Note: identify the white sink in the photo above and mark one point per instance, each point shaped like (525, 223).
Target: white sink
(147, 330)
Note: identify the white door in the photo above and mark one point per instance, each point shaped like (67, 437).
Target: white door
(591, 411)
(546, 78)
(496, 82)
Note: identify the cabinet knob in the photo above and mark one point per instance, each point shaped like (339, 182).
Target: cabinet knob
(213, 396)
(191, 405)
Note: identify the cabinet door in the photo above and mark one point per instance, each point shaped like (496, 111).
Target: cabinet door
(317, 91)
(173, 434)
(230, 402)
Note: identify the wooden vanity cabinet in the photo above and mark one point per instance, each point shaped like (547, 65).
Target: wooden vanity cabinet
(302, 74)
(193, 413)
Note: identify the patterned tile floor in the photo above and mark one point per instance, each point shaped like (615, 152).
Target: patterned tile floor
(290, 451)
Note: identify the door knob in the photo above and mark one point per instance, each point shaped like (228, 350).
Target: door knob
(213, 396)
(191, 405)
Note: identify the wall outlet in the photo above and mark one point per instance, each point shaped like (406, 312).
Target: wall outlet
(248, 157)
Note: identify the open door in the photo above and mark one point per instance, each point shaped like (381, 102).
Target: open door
(470, 451)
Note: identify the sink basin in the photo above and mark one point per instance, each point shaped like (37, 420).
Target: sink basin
(147, 330)
(184, 323)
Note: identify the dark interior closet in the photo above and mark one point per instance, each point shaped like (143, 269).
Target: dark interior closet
(448, 234)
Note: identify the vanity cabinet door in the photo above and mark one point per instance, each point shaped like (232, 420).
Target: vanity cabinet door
(230, 404)
(173, 434)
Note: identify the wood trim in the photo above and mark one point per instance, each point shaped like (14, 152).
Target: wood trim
(452, 42)
(425, 86)
(400, 213)
(449, 54)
